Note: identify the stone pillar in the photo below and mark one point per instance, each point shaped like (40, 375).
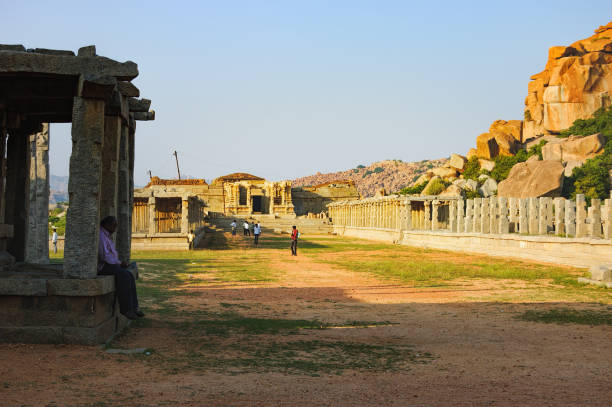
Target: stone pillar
(523, 222)
(469, 216)
(607, 215)
(477, 228)
(559, 204)
(534, 226)
(544, 215)
(434, 214)
(594, 225)
(408, 215)
(124, 209)
(452, 214)
(185, 215)
(110, 161)
(460, 217)
(17, 191)
(570, 218)
(513, 217)
(82, 219)
(581, 215)
(151, 214)
(504, 219)
(493, 215)
(3, 137)
(484, 216)
(37, 241)
(427, 219)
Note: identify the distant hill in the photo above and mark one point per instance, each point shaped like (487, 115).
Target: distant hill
(59, 189)
(392, 175)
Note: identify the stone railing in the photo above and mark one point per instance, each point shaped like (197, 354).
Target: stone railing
(495, 215)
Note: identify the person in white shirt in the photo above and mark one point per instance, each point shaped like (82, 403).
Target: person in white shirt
(233, 225)
(247, 228)
(54, 240)
(256, 233)
(190, 237)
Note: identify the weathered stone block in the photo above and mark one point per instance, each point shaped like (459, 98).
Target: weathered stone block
(601, 273)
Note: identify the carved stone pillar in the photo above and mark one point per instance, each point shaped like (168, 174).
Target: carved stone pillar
(124, 208)
(37, 242)
(82, 219)
(594, 225)
(110, 166)
(460, 216)
(477, 215)
(559, 204)
(534, 226)
(570, 218)
(469, 216)
(523, 215)
(185, 215)
(504, 219)
(17, 191)
(493, 215)
(484, 216)
(581, 215)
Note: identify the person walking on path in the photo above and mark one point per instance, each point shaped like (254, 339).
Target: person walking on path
(110, 265)
(190, 237)
(294, 239)
(256, 233)
(54, 239)
(247, 228)
(233, 225)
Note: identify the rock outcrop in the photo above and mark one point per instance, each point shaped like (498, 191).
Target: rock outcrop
(576, 81)
(574, 148)
(394, 176)
(503, 138)
(532, 179)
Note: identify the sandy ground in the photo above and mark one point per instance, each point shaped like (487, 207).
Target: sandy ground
(483, 355)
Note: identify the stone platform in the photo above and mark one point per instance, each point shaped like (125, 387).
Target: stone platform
(38, 305)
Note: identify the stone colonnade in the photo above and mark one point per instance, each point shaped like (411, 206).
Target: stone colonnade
(495, 215)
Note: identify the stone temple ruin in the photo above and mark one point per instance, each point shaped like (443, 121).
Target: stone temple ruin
(63, 303)
(166, 210)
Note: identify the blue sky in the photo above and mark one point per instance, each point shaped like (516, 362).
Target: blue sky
(283, 89)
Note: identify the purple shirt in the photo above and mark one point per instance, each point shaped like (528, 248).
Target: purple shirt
(106, 250)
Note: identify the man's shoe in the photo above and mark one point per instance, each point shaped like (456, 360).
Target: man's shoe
(139, 313)
(130, 315)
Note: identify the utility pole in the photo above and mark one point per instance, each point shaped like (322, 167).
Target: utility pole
(150, 175)
(177, 165)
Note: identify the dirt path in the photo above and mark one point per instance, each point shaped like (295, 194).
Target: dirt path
(481, 354)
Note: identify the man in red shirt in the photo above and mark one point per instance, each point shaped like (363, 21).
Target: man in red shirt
(294, 239)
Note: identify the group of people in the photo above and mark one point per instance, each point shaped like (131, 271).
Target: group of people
(257, 232)
(247, 230)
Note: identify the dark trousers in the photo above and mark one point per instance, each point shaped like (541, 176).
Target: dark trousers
(256, 238)
(247, 232)
(294, 247)
(125, 286)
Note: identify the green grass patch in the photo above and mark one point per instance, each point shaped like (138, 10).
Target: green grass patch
(568, 316)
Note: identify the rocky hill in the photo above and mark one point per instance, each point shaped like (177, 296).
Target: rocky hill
(392, 175)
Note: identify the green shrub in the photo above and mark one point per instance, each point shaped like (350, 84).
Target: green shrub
(592, 178)
(414, 190)
(472, 169)
(360, 166)
(365, 174)
(60, 224)
(378, 169)
(469, 194)
(527, 115)
(437, 186)
(430, 165)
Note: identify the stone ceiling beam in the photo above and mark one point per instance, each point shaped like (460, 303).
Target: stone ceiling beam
(96, 86)
(139, 105)
(128, 89)
(144, 116)
(30, 62)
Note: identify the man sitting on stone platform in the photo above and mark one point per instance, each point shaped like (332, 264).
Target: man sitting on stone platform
(109, 264)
